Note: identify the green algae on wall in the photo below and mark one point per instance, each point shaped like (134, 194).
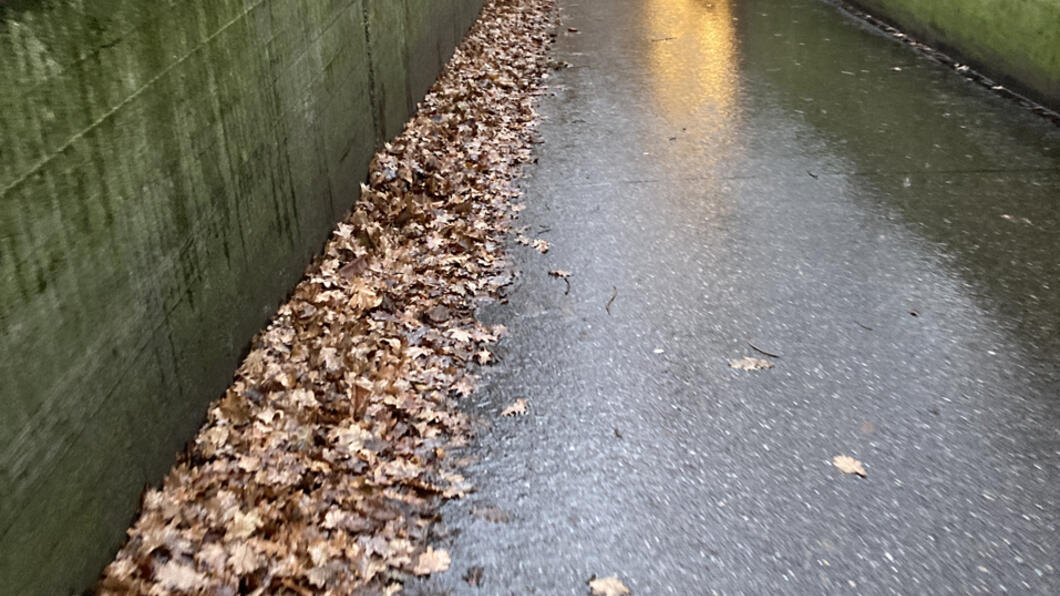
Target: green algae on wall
(1015, 41)
(167, 169)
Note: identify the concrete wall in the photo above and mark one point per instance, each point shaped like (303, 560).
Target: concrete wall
(1014, 41)
(167, 170)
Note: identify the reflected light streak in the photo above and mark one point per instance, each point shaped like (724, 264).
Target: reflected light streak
(692, 59)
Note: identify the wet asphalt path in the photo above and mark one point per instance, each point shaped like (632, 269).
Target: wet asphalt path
(773, 172)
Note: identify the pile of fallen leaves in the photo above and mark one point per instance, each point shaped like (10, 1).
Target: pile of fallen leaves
(321, 468)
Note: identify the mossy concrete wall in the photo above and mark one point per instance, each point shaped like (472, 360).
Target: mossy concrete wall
(1014, 41)
(167, 170)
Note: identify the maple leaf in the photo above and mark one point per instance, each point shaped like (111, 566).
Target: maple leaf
(331, 358)
(749, 363)
(431, 561)
(243, 525)
(212, 557)
(464, 387)
(352, 437)
(517, 408)
(244, 559)
(180, 577)
(849, 465)
(318, 576)
(459, 335)
(364, 298)
(608, 586)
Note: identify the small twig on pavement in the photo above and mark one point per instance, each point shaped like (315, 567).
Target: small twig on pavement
(761, 351)
(663, 38)
(812, 175)
(607, 307)
(865, 327)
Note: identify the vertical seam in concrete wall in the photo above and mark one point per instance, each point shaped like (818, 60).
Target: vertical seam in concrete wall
(378, 120)
(410, 104)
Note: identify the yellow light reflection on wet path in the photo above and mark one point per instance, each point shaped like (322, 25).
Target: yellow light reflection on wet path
(692, 59)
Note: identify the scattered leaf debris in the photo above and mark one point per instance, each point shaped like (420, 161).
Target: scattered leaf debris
(516, 408)
(564, 275)
(491, 513)
(608, 586)
(761, 351)
(321, 468)
(614, 294)
(750, 363)
(431, 561)
(1014, 219)
(473, 575)
(849, 465)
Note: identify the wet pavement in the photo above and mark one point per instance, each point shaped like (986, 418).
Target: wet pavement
(773, 172)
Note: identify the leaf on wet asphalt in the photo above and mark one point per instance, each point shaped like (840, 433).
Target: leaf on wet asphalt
(1014, 219)
(473, 575)
(431, 561)
(517, 408)
(608, 586)
(491, 513)
(848, 465)
(750, 363)
(564, 275)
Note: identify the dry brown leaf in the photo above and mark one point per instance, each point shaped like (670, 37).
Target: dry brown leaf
(491, 513)
(473, 575)
(540, 245)
(608, 586)
(849, 465)
(459, 335)
(243, 525)
(516, 408)
(244, 559)
(175, 576)
(431, 561)
(750, 363)
(560, 273)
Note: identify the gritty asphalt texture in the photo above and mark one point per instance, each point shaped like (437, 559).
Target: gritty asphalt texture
(772, 172)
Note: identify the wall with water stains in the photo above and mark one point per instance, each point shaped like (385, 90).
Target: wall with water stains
(1014, 41)
(167, 170)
